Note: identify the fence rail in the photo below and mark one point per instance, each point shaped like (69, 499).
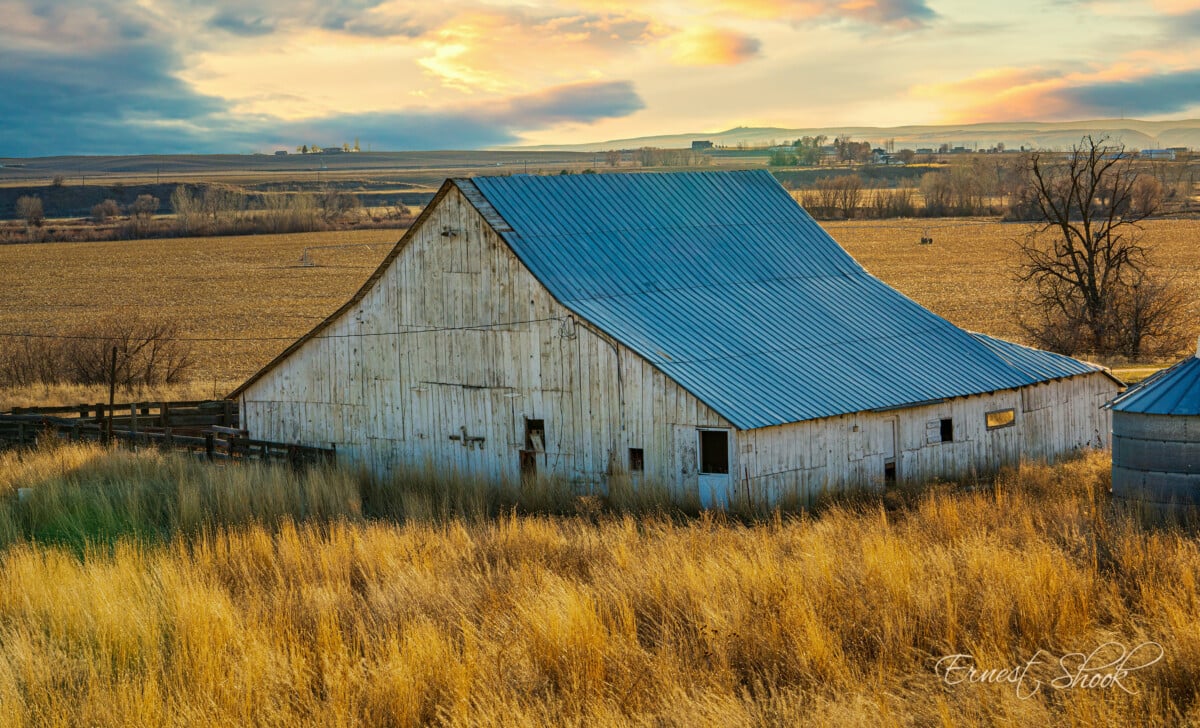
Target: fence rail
(208, 428)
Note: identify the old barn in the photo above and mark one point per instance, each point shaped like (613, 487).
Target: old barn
(698, 329)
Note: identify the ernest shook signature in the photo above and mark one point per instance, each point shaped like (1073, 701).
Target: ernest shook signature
(1108, 666)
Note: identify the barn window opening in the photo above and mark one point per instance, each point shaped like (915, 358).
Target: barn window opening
(889, 473)
(535, 442)
(714, 452)
(948, 430)
(637, 460)
(535, 435)
(1001, 418)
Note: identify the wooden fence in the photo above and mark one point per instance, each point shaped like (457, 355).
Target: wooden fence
(206, 428)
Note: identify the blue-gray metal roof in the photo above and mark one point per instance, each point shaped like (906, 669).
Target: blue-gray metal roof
(1039, 365)
(730, 288)
(1174, 391)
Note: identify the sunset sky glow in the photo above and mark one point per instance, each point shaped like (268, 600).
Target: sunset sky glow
(129, 76)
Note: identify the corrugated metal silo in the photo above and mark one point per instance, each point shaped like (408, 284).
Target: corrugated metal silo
(1156, 442)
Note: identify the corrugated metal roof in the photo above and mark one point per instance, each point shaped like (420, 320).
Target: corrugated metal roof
(729, 287)
(1173, 391)
(1037, 364)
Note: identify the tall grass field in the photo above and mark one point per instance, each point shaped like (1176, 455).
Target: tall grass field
(141, 589)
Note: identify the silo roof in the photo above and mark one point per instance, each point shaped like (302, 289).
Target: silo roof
(1174, 391)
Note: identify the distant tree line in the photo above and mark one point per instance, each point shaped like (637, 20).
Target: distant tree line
(206, 209)
(978, 186)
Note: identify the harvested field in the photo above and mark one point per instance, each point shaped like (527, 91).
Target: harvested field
(251, 297)
(248, 294)
(968, 273)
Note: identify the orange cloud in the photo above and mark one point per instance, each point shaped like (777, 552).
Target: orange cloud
(1002, 94)
(505, 50)
(1176, 7)
(900, 14)
(712, 47)
(1029, 94)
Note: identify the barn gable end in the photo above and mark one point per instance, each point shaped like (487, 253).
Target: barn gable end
(453, 336)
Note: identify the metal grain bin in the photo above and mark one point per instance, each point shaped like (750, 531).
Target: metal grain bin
(1156, 442)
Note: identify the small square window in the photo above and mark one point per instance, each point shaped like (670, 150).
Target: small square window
(1001, 418)
(947, 430)
(637, 460)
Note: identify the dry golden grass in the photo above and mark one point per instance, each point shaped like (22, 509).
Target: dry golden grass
(968, 274)
(605, 620)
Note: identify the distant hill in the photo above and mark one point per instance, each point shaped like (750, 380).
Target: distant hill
(1135, 134)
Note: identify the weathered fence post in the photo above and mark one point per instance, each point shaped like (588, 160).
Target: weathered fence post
(112, 390)
(210, 444)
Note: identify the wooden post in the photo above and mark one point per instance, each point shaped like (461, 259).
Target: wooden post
(209, 444)
(133, 413)
(112, 394)
(164, 414)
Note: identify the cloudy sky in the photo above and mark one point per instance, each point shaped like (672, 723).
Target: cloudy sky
(154, 76)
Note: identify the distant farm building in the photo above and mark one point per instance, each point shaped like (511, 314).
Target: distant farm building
(700, 146)
(1167, 155)
(697, 329)
(281, 152)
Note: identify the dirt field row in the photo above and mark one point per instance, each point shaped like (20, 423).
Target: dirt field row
(251, 296)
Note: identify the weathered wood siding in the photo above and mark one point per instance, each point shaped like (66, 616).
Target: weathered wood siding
(801, 460)
(458, 334)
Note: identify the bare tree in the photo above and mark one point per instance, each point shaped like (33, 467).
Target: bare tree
(150, 352)
(1088, 270)
(337, 205)
(30, 209)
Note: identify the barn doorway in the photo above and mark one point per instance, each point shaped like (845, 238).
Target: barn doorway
(891, 445)
(713, 456)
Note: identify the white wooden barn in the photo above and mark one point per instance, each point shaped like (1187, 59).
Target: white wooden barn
(697, 329)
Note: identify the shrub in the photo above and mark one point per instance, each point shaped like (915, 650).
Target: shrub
(103, 211)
